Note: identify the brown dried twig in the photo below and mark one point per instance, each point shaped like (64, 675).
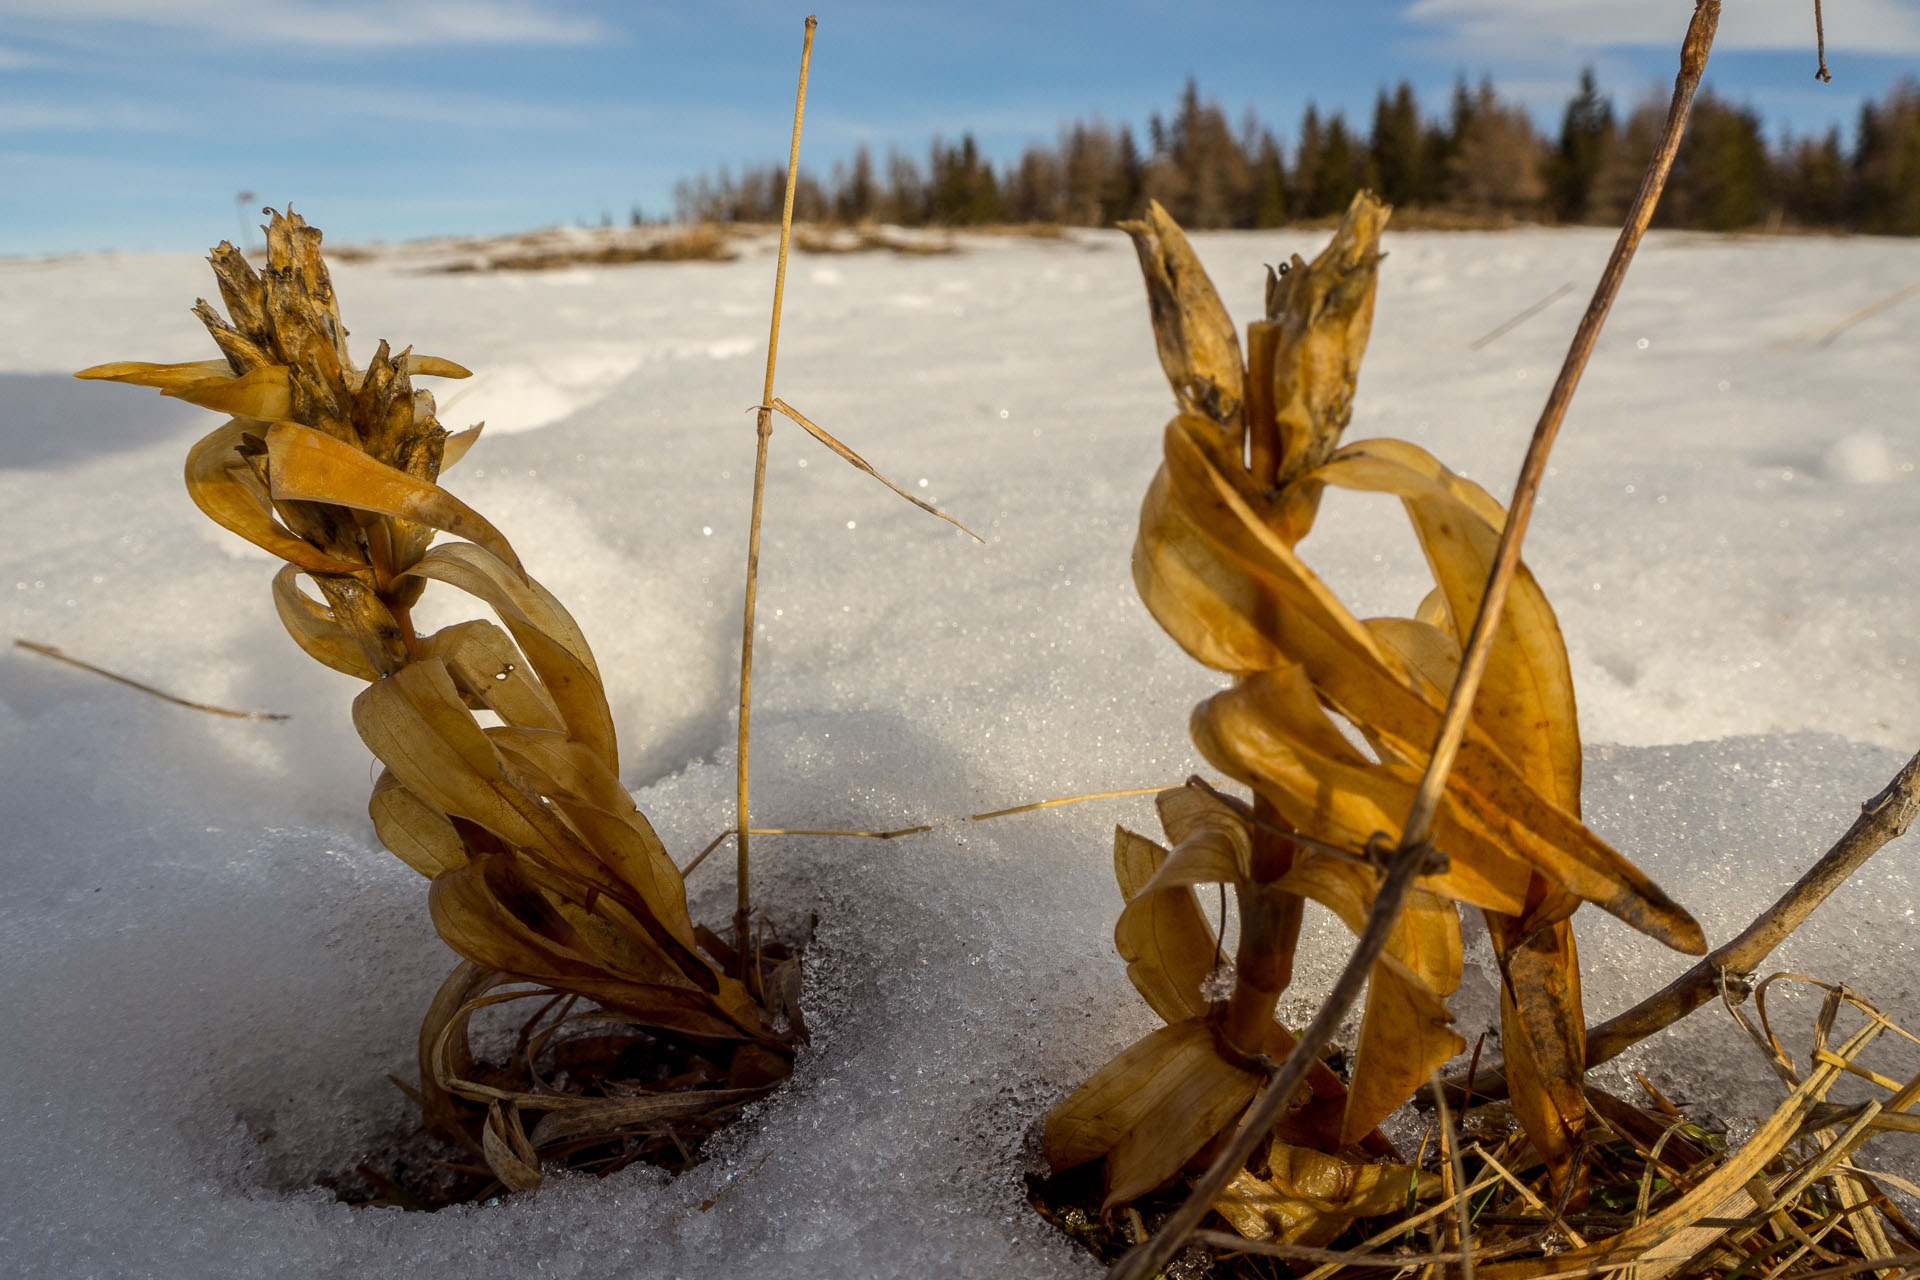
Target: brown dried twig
(1885, 817)
(1820, 38)
(1413, 851)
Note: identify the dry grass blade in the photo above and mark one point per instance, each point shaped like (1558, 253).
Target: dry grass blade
(1501, 331)
(60, 655)
(1228, 1244)
(763, 430)
(859, 463)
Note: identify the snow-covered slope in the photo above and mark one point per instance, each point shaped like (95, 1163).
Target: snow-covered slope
(210, 967)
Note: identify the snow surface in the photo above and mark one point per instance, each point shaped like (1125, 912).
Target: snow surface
(210, 966)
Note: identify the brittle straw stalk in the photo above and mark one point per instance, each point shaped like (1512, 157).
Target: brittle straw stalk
(1414, 852)
(763, 427)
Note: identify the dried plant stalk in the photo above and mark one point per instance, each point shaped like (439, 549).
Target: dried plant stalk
(501, 780)
(1248, 458)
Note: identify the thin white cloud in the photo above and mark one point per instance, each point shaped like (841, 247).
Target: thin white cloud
(353, 24)
(13, 59)
(1539, 26)
(26, 116)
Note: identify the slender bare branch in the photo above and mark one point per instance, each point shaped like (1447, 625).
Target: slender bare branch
(1820, 38)
(764, 429)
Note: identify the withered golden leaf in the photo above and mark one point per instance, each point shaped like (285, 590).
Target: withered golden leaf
(1525, 703)
(433, 367)
(1198, 346)
(1309, 1197)
(1268, 732)
(1432, 610)
(1350, 670)
(226, 490)
(261, 394)
(141, 373)
(509, 1155)
(596, 806)
(1149, 1110)
(1405, 1033)
(313, 628)
(470, 914)
(1163, 936)
(416, 723)
(1543, 1033)
(1427, 651)
(1211, 843)
(543, 629)
(308, 464)
(413, 830)
(457, 445)
(1135, 859)
(485, 663)
(1193, 591)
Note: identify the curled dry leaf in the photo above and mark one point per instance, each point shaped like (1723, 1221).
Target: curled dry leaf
(1308, 1197)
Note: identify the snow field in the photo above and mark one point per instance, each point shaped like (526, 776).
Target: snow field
(211, 966)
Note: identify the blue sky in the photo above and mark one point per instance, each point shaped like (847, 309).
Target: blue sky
(132, 124)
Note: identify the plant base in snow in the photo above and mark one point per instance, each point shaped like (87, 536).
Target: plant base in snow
(568, 1086)
(1669, 1196)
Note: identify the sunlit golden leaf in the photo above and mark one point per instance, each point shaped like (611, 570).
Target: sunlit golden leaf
(413, 830)
(314, 629)
(310, 465)
(1149, 1110)
(227, 491)
(543, 629)
(1309, 1197)
(1165, 939)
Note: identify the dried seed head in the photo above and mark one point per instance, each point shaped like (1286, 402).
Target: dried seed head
(1198, 347)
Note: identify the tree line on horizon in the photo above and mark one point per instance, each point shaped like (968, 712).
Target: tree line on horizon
(1483, 161)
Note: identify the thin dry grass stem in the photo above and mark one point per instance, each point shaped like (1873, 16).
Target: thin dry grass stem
(1228, 1243)
(923, 828)
(61, 655)
(1051, 804)
(1520, 319)
(763, 430)
(1866, 313)
(861, 464)
(1479, 646)
(1401, 1228)
(1462, 1209)
(1414, 851)
(1526, 1193)
(1823, 335)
